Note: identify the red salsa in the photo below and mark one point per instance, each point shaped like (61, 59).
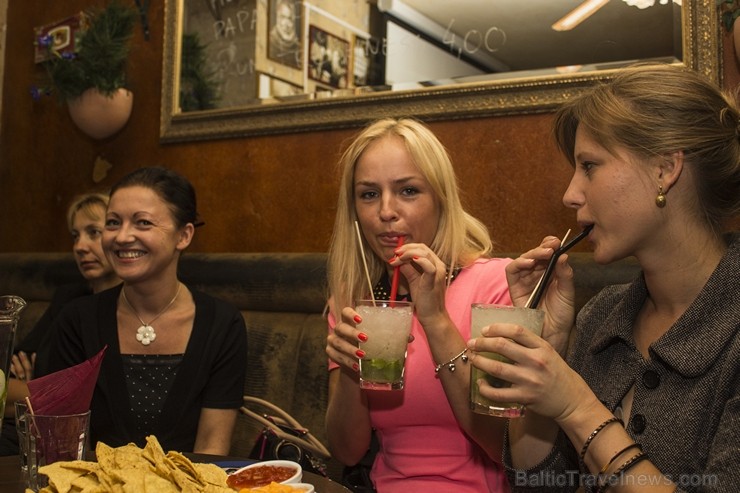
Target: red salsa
(259, 476)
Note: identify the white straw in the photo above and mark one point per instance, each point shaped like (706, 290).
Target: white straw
(364, 262)
(537, 287)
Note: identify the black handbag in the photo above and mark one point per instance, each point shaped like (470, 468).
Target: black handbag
(357, 478)
(283, 438)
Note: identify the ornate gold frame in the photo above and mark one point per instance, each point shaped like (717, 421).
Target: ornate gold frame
(701, 52)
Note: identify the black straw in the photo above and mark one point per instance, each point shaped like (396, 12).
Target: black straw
(551, 266)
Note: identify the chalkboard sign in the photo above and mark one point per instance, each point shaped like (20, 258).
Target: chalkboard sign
(226, 31)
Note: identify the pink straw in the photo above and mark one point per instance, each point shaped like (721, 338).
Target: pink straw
(394, 282)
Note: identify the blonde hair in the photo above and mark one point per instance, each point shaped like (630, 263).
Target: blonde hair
(656, 110)
(86, 203)
(460, 238)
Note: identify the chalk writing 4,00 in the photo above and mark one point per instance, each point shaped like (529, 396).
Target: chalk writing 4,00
(473, 41)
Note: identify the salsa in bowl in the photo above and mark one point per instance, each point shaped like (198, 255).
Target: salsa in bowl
(264, 473)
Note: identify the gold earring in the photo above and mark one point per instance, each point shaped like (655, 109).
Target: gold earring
(660, 199)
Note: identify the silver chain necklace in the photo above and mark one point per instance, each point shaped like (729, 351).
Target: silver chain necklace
(146, 334)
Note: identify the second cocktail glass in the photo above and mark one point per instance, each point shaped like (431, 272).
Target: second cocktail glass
(482, 316)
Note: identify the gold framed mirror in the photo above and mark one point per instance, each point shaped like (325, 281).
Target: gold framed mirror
(696, 32)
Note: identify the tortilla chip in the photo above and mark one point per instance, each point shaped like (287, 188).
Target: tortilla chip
(211, 474)
(60, 478)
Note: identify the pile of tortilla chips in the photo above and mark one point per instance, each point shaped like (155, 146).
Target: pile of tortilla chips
(132, 469)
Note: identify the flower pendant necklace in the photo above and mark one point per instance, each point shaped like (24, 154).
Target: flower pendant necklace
(146, 334)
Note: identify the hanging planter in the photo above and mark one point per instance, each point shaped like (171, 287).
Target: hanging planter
(90, 75)
(101, 116)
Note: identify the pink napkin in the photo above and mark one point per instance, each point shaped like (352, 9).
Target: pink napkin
(67, 391)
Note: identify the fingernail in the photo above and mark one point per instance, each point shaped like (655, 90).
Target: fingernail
(415, 257)
(360, 353)
(357, 319)
(390, 260)
(355, 367)
(362, 336)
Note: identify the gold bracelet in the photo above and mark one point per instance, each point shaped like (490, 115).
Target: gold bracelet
(462, 355)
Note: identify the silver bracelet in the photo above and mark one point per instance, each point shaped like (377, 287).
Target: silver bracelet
(451, 364)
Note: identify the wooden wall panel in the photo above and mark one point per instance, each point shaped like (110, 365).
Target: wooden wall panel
(261, 194)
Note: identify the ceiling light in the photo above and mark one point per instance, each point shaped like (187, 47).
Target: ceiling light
(578, 14)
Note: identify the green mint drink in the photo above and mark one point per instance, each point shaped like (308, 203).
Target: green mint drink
(481, 316)
(387, 326)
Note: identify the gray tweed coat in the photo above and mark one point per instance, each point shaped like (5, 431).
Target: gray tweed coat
(686, 409)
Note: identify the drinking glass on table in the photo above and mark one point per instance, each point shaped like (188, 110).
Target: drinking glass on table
(388, 326)
(45, 439)
(482, 316)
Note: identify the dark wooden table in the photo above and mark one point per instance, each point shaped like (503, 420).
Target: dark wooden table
(11, 482)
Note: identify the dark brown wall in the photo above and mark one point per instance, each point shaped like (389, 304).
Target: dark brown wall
(263, 194)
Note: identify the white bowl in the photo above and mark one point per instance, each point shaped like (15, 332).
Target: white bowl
(308, 488)
(297, 470)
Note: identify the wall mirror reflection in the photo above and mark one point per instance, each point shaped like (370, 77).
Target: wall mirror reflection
(244, 67)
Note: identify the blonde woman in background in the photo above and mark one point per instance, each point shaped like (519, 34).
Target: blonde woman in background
(85, 221)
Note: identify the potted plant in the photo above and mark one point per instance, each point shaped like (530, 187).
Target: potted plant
(730, 10)
(92, 79)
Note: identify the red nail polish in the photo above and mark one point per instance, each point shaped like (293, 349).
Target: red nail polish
(357, 319)
(416, 257)
(362, 336)
(390, 260)
(360, 353)
(355, 367)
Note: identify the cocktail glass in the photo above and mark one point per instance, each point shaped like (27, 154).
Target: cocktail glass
(482, 316)
(388, 326)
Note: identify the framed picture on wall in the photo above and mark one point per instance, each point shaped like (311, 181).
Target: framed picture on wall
(367, 62)
(285, 32)
(274, 88)
(360, 62)
(328, 58)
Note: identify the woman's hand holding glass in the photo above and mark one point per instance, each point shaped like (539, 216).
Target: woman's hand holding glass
(541, 379)
(341, 343)
(558, 302)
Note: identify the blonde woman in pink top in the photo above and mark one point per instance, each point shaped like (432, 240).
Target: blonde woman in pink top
(397, 180)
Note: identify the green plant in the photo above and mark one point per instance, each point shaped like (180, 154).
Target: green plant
(730, 10)
(197, 86)
(100, 61)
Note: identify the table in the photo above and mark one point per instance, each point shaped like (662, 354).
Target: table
(10, 474)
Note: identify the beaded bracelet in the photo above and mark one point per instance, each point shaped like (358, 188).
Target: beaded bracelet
(451, 364)
(616, 456)
(593, 434)
(614, 477)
